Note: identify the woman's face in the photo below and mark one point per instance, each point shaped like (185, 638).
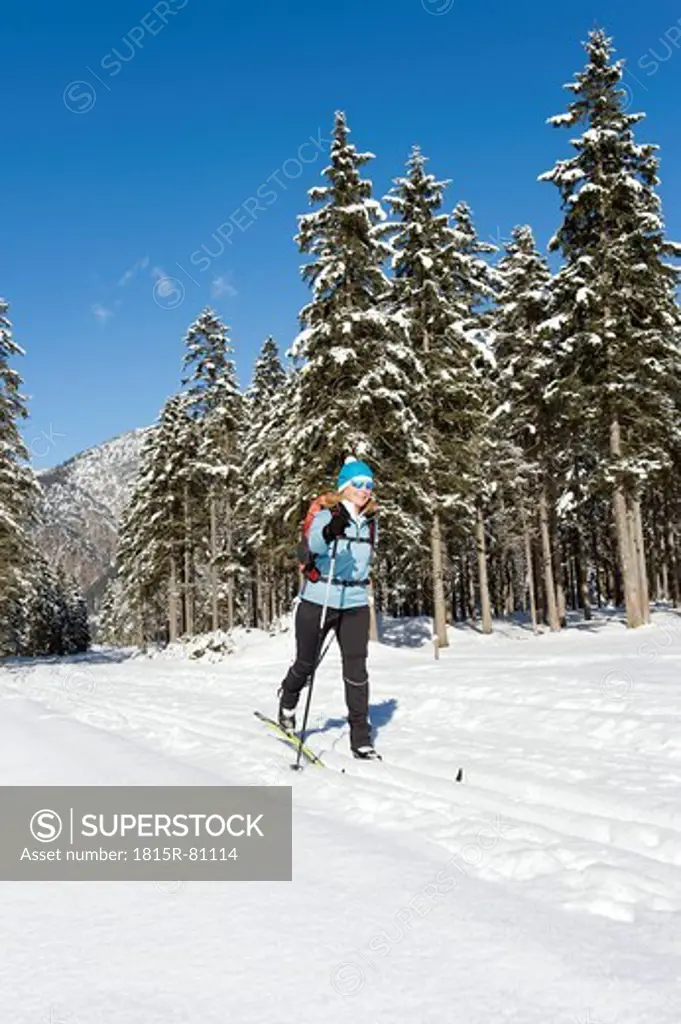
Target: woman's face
(358, 495)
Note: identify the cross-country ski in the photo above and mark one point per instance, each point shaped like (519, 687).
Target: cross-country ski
(292, 740)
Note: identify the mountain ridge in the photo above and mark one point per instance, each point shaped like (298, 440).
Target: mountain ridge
(82, 501)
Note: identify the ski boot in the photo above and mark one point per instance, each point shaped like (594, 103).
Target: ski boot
(287, 717)
(366, 753)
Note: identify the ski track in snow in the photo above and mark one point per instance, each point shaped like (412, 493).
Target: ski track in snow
(570, 746)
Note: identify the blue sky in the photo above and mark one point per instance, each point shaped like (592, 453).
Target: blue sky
(132, 131)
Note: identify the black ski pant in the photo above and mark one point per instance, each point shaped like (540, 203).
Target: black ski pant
(351, 626)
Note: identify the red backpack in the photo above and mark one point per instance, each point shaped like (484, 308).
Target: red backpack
(307, 559)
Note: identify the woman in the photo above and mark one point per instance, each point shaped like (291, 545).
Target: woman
(348, 521)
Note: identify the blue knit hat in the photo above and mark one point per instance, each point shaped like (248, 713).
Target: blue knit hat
(351, 469)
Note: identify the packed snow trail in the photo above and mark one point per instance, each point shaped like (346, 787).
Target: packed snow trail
(560, 853)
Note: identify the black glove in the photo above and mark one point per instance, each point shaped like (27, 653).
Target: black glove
(340, 519)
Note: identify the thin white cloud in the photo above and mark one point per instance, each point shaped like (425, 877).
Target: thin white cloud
(221, 285)
(101, 313)
(132, 271)
(166, 285)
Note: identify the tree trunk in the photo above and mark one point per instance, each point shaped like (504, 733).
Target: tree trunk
(639, 545)
(273, 592)
(260, 604)
(655, 554)
(142, 632)
(213, 562)
(597, 563)
(188, 592)
(673, 564)
(665, 555)
(573, 576)
(448, 590)
(439, 611)
(172, 601)
(549, 588)
(559, 571)
(373, 621)
(634, 556)
(580, 573)
(509, 599)
(439, 621)
(485, 609)
(463, 587)
(530, 573)
(624, 538)
(538, 578)
(229, 545)
(472, 612)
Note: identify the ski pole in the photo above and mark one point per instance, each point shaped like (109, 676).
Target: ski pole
(317, 659)
(323, 654)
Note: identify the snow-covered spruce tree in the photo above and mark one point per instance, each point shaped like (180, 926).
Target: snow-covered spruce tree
(259, 509)
(663, 501)
(46, 611)
(179, 489)
(280, 483)
(524, 422)
(135, 578)
(269, 377)
(355, 372)
(19, 495)
(56, 619)
(215, 403)
(122, 618)
(423, 295)
(117, 622)
(468, 462)
(156, 540)
(77, 633)
(617, 316)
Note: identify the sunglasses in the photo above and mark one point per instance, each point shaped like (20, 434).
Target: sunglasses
(362, 483)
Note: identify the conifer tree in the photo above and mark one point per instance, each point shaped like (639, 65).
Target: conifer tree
(467, 464)
(259, 509)
(354, 366)
(269, 378)
(156, 545)
(423, 297)
(440, 286)
(117, 623)
(46, 611)
(525, 420)
(77, 638)
(214, 402)
(19, 494)
(616, 316)
(56, 620)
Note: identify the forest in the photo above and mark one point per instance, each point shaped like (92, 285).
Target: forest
(519, 409)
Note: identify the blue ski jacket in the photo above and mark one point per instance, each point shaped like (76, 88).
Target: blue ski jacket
(353, 561)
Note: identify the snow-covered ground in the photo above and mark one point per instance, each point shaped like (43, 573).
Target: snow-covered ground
(543, 889)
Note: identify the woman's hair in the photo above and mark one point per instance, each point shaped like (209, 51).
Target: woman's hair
(332, 498)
